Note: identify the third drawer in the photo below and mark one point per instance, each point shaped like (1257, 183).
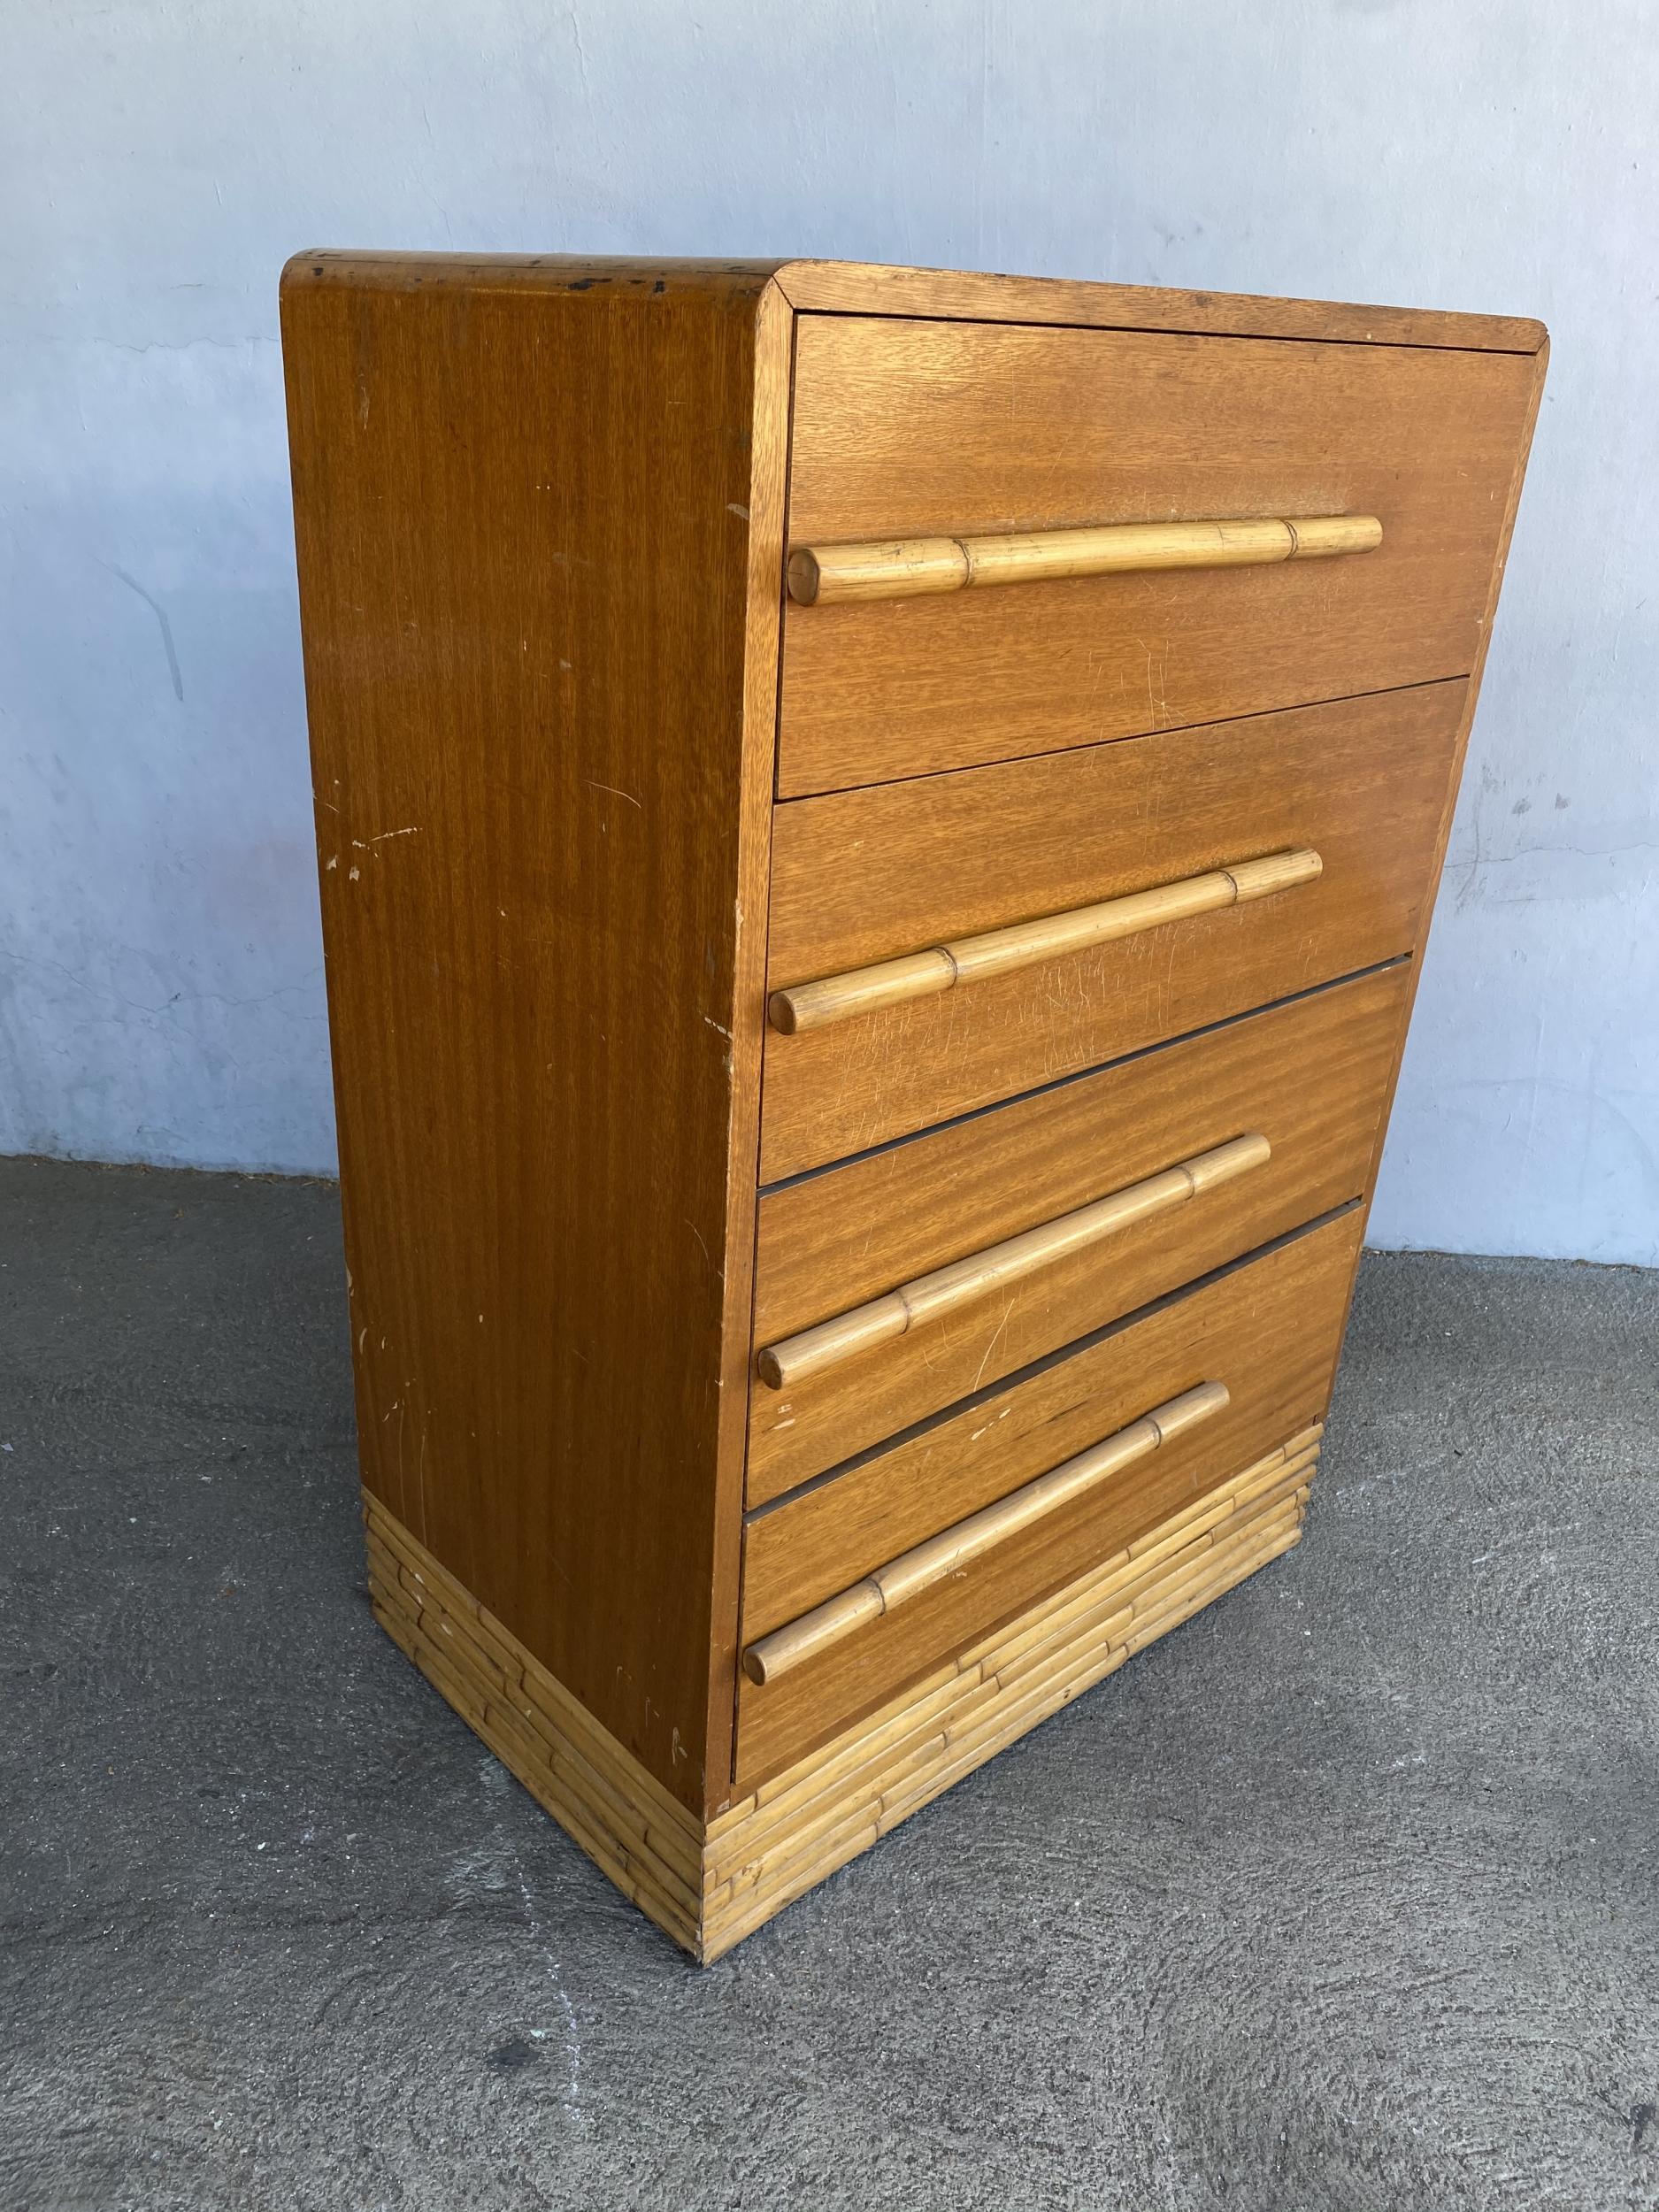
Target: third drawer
(1284, 1105)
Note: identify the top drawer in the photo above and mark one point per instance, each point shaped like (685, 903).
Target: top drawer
(908, 429)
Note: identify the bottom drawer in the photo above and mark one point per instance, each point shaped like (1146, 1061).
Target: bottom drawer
(1267, 1332)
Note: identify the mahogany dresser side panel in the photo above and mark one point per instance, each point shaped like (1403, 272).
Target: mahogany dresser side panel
(539, 516)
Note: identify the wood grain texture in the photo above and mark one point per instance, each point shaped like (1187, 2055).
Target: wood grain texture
(861, 876)
(1310, 1076)
(908, 430)
(603, 279)
(863, 288)
(980, 1274)
(938, 1557)
(1269, 1330)
(488, 469)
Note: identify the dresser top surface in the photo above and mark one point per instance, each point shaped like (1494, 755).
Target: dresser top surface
(849, 287)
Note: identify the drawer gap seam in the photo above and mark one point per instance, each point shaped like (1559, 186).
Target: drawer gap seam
(1081, 1075)
(1158, 330)
(1128, 737)
(1047, 1363)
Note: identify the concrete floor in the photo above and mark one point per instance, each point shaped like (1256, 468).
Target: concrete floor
(1345, 1896)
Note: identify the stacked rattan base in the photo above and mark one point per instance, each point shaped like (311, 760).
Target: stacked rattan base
(710, 1887)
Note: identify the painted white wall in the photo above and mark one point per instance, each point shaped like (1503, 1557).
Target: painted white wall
(160, 984)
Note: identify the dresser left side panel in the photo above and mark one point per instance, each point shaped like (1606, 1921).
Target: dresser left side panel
(539, 527)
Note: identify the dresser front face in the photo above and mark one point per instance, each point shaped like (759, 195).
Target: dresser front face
(1066, 1118)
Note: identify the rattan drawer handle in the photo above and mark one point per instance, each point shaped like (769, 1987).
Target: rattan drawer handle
(918, 1570)
(904, 568)
(837, 998)
(783, 1364)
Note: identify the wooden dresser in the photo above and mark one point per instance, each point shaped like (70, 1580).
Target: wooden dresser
(877, 830)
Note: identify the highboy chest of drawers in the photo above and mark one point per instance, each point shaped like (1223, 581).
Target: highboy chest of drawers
(877, 830)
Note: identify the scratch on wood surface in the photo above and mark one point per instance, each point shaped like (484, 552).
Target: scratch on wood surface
(990, 1424)
(615, 794)
(1157, 704)
(718, 1272)
(997, 1335)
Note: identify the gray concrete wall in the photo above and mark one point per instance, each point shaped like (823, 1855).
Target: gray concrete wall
(160, 988)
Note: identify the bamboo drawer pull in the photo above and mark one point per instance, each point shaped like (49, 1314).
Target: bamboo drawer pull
(944, 1290)
(837, 998)
(925, 1565)
(905, 568)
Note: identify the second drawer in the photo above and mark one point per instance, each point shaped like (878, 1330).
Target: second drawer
(938, 945)
(1308, 1078)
